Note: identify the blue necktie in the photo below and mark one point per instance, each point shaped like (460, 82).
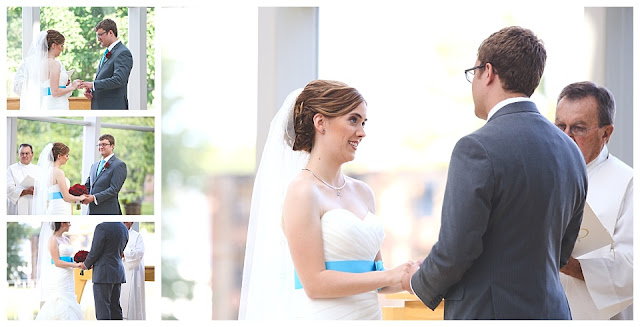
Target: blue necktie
(104, 55)
(100, 167)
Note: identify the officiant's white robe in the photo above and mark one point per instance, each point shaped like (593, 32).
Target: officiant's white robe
(607, 292)
(132, 293)
(16, 204)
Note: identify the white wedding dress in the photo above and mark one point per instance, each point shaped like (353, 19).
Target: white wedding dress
(346, 238)
(60, 302)
(50, 102)
(56, 204)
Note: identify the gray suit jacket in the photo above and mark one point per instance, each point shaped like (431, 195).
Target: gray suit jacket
(105, 256)
(106, 186)
(110, 85)
(512, 210)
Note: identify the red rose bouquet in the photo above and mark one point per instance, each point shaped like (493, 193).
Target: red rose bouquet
(78, 190)
(81, 256)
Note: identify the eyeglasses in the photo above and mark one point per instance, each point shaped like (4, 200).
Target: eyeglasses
(102, 145)
(468, 73)
(576, 130)
(100, 34)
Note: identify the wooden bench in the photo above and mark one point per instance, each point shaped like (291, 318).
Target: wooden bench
(410, 308)
(75, 103)
(80, 280)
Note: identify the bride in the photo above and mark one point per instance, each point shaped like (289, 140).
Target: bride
(313, 245)
(39, 69)
(55, 269)
(51, 192)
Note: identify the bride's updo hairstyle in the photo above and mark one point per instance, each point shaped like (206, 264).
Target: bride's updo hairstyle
(57, 226)
(54, 36)
(329, 98)
(59, 149)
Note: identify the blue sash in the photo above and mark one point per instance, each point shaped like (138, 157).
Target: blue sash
(352, 266)
(67, 259)
(47, 90)
(55, 195)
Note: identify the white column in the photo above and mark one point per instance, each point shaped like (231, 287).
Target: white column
(612, 66)
(287, 59)
(30, 27)
(137, 87)
(12, 137)
(90, 152)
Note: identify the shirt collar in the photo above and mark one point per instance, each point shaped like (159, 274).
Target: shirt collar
(108, 157)
(113, 45)
(505, 102)
(604, 155)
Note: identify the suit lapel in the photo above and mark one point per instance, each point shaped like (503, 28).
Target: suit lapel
(104, 63)
(105, 166)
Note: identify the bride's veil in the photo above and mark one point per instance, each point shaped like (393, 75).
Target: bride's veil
(35, 64)
(43, 180)
(44, 257)
(268, 276)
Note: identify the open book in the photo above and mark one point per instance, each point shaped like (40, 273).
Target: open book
(592, 235)
(27, 182)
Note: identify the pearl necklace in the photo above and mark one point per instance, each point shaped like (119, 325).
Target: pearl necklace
(325, 183)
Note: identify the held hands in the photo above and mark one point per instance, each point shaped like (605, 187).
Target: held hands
(406, 280)
(76, 84)
(88, 198)
(87, 85)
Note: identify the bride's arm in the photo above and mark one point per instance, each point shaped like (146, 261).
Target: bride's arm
(55, 255)
(303, 230)
(54, 75)
(60, 178)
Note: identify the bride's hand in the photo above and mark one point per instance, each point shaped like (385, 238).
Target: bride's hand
(396, 274)
(76, 84)
(82, 197)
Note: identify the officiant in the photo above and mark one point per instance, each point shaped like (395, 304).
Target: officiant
(132, 298)
(599, 284)
(20, 182)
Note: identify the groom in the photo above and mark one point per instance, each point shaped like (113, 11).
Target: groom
(105, 180)
(109, 90)
(105, 257)
(514, 198)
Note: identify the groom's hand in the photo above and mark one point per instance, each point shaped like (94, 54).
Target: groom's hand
(87, 85)
(83, 266)
(406, 280)
(88, 199)
(87, 93)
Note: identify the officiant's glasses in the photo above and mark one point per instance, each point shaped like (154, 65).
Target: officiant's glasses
(102, 145)
(575, 130)
(468, 73)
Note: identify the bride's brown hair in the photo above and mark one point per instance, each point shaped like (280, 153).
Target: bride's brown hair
(59, 149)
(329, 98)
(54, 36)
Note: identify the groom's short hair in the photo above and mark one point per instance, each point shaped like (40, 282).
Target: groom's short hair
(108, 25)
(109, 138)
